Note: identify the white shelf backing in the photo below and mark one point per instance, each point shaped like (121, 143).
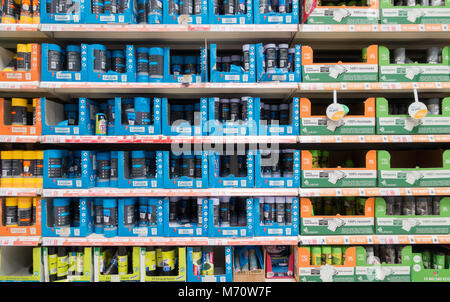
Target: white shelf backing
(100, 240)
(114, 192)
(161, 139)
(20, 240)
(374, 239)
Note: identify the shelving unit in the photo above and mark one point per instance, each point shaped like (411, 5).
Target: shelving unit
(324, 36)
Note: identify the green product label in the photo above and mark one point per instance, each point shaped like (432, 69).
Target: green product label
(150, 260)
(123, 265)
(62, 267)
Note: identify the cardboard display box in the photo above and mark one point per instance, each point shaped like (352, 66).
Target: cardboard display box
(413, 72)
(246, 18)
(33, 230)
(354, 124)
(15, 263)
(272, 272)
(53, 116)
(366, 71)
(365, 175)
(293, 128)
(87, 267)
(231, 231)
(275, 229)
(200, 77)
(154, 210)
(124, 171)
(403, 124)
(305, 272)
(274, 17)
(135, 262)
(63, 75)
(311, 224)
(412, 224)
(129, 15)
(261, 181)
(258, 275)
(171, 18)
(232, 76)
(222, 270)
(185, 182)
(421, 274)
(414, 168)
(279, 75)
(230, 181)
(383, 272)
(34, 74)
(180, 265)
(417, 14)
(189, 229)
(183, 127)
(6, 128)
(75, 15)
(343, 14)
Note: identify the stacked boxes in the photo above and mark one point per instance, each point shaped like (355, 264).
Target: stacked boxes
(242, 70)
(186, 217)
(276, 13)
(19, 116)
(231, 171)
(367, 12)
(278, 119)
(123, 12)
(20, 215)
(59, 64)
(173, 261)
(437, 12)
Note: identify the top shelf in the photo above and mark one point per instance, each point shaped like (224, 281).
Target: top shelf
(180, 34)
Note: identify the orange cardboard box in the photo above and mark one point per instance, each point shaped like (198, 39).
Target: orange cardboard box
(20, 76)
(34, 230)
(5, 124)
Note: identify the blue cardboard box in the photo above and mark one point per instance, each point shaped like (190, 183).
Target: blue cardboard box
(223, 265)
(235, 76)
(53, 122)
(111, 76)
(128, 16)
(175, 18)
(185, 182)
(190, 229)
(86, 224)
(230, 181)
(124, 169)
(279, 75)
(123, 129)
(216, 230)
(199, 77)
(245, 128)
(58, 159)
(262, 178)
(151, 208)
(63, 75)
(246, 18)
(75, 13)
(274, 17)
(183, 127)
(293, 128)
(274, 228)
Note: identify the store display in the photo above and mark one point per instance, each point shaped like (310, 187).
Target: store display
(223, 69)
(21, 169)
(230, 217)
(414, 12)
(230, 12)
(163, 263)
(185, 216)
(276, 12)
(209, 264)
(276, 216)
(277, 168)
(278, 62)
(21, 63)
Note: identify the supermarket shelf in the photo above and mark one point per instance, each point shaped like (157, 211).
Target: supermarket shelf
(375, 87)
(410, 32)
(20, 240)
(173, 33)
(20, 191)
(19, 138)
(15, 32)
(161, 139)
(21, 87)
(100, 240)
(304, 192)
(428, 138)
(375, 239)
(113, 192)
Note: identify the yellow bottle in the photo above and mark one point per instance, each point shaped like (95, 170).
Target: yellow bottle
(17, 168)
(6, 180)
(11, 211)
(24, 210)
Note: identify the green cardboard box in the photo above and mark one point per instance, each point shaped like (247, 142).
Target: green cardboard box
(87, 267)
(117, 278)
(305, 272)
(399, 124)
(311, 224)
(364, 14)
(363, 175)
(383, 272)
(365, 71)
(414, 14)
(354, 124)
(415, 72)
(15, 262)
(413, 168)
(420, 274)
(181, 276)
(413, 224)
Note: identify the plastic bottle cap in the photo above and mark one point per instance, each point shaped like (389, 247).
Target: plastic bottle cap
(246, 47)
(224, 101)
(235, 101)
(267, 46)
(289, 199)
(283, 46)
